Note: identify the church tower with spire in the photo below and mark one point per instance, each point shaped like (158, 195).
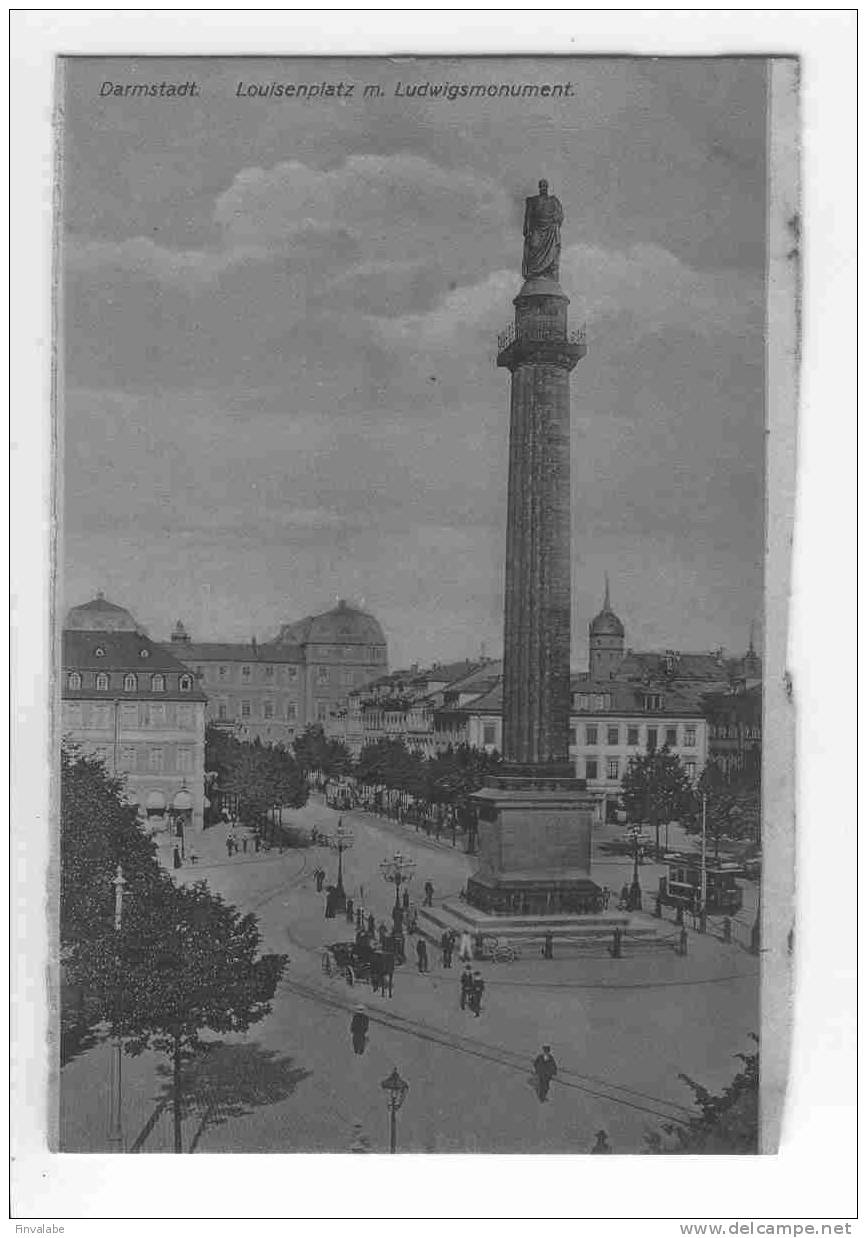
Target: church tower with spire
(607, 636)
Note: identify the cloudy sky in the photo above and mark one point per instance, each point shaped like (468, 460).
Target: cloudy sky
(280, 323)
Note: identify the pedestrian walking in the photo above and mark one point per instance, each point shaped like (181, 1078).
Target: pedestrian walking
(350, 912)
(477, 993)
(329, 904)
(319, 875)
(606, 897)
(229, 845)
(371, 925)
(428, 894)
(383, 933)
(257, 844)
(421, 955)
(684, 939)
(548, 947)
(447, 946)
(466, 951)
(466, 986)
(601, 1144)
(176, 859)
(358, 1030)
(244, 844)
(544, 1068)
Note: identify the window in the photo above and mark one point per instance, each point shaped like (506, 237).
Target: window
(246, 709)
(245, 672)
(130, 683)
(158, 683)
(99, 651)
(102, 682)
(651, 737)
(185, 683)
(489, 733)
(573, 736)
(291, 712)
(144, 653)
(690, 770)
(653, 702)
(156, 714)
(269, 672)
(155, 760)
(591, 770)
(185, 716)
(221, 671)
(222, 710)
(348, 677)
(322, 674)
(73, 681)
(129, 716)
(99, 719)
(632, 736)
(689, 737)
(591, 735)
(671, 736)
(292, 674)
(613, 736)
(200, 670)
(185, 760)
(321, 711)
(613, 769)
(599, 701)
(268, 709)
(127, 757)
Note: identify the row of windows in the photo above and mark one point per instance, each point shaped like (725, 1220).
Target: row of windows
(149, 760)
(613, 736)
(131, 682)
(133, 715)
(287, 710)
(290, 674)
(651, 702)
(722, 731)
(612, 769)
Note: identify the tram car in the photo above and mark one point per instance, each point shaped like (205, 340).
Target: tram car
(339, 795)
(682, 886)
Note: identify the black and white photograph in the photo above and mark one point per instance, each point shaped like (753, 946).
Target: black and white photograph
(412, 427)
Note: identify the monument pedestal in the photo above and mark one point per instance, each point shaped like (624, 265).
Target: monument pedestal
(534, 844)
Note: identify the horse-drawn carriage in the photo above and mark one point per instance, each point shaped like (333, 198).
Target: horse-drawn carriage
(360, 963)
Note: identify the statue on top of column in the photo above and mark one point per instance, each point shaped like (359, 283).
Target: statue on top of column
(543, 216)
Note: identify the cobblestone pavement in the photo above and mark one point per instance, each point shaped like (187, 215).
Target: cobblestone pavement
(621, 1030)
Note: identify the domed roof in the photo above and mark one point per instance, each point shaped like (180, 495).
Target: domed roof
(344, 625)
(100, 616)
(606, 622)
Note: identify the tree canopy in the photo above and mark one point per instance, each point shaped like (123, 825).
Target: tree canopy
(727, 1123)
(258, 776)
(655, 789)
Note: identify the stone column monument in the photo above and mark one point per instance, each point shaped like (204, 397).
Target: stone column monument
(535, 815)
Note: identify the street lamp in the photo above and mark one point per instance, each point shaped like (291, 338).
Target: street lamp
(115, 1134)
(635, 889)
(341, 840)
(398, 870)
(396, 1089)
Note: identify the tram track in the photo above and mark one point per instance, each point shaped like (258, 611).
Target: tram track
(590, 1085)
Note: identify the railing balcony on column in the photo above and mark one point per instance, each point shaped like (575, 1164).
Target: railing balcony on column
(536, 331)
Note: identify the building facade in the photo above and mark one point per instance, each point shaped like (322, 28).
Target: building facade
(135, 707)
(306, 674)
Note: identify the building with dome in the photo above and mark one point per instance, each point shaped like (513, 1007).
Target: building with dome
(272, 690)
(129, 702)
(607, 636)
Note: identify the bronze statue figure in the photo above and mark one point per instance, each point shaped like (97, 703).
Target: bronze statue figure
(543, 216)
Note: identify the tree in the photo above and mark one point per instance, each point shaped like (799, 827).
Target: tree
(656, 789)
(183, 962)
(259, 777)
(726, 1124)
(733, 805)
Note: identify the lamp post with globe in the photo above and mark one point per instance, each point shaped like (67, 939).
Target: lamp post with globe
(635, 888)
(398, 870)
(341, 840)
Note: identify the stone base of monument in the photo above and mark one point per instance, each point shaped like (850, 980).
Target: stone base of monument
(534, 845)
(529, 931)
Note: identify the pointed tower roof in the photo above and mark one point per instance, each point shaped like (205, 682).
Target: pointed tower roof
(606, 622)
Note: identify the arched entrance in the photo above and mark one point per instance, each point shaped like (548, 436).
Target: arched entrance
(182, 817)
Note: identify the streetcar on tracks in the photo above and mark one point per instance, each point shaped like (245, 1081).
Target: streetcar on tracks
(681, 887)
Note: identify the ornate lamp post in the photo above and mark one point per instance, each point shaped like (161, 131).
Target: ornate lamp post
(396, 1089)
(398, 870)
(635, 888)
(341, 840)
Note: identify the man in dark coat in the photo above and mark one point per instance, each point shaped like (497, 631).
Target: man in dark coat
(466, 986)
(476, 993)
(428, 894)
(447, 946)
(358, 1029)
(544, 1068)
(421, 953)
(371, 925)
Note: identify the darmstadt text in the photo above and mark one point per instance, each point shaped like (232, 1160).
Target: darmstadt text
(149, 90)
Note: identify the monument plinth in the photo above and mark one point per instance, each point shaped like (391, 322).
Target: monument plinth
(535, 816)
